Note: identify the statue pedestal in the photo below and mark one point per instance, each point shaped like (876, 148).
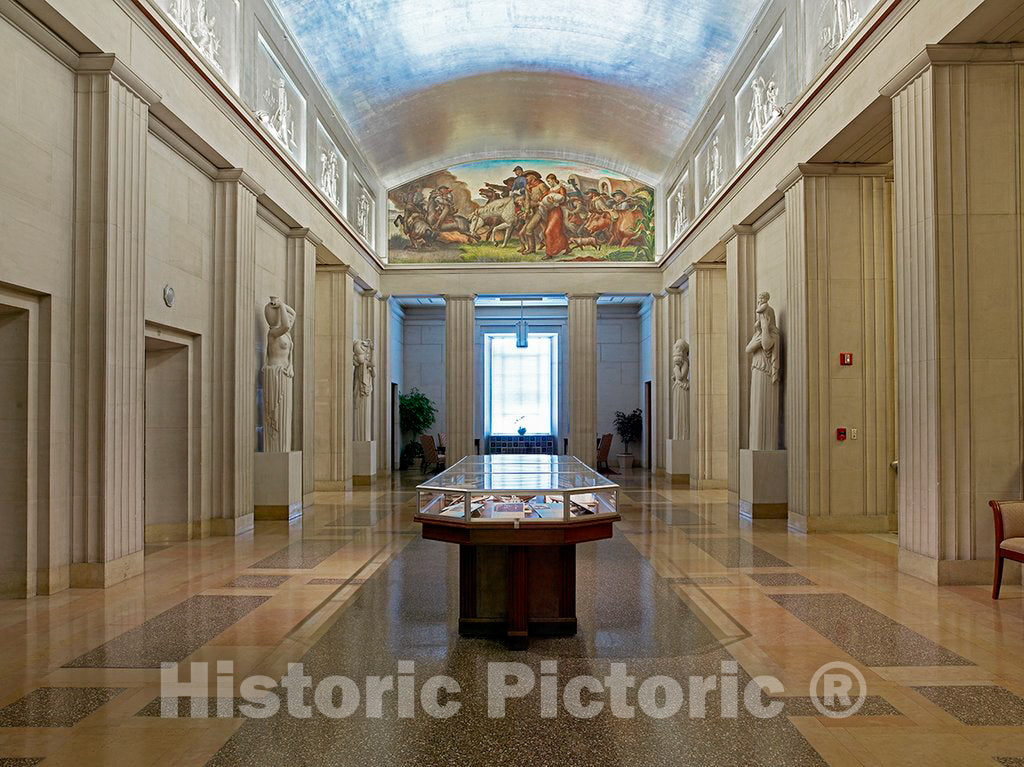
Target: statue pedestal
(677, 460)
(364, 462)
(277, 485)
(764, 483)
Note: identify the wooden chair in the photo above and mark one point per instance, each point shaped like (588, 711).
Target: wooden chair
(604, 447)
(430, 457)
(1009, 519)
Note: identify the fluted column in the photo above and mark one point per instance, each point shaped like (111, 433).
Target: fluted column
(709, 404)
(583, 376)
(839, 269)
(334, 331)
(301, 296)
(234, 366)
(459, 374)
(108, 353)
(741, 283)
(957, 127)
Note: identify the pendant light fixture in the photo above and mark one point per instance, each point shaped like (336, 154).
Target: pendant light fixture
(522, 330)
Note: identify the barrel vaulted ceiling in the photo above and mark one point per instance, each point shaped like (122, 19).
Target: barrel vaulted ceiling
(424, 84)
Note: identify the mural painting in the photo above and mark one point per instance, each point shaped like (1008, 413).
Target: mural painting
(521, 210)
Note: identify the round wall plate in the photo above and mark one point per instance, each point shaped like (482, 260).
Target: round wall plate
(168, 295)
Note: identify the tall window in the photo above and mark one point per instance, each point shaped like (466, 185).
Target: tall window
(521, 385)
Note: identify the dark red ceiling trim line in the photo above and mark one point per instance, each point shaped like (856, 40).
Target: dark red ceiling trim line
(837, 65)
(189, 56)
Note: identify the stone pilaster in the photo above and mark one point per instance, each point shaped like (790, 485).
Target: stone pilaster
(382, 386)
(662, 384)
(234, 366)
(108, 356)
(335, 323)
(957, 189)
(301, 296)
(741, 283)
(459, 374)
(708, 379)
(839, 269)
(583, 376)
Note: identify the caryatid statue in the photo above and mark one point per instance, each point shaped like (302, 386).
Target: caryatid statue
(362, 389)
(765, 361)
(278, 375)
(680, 390)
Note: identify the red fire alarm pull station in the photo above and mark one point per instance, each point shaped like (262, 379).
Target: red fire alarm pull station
(841, 434)
(845, 358)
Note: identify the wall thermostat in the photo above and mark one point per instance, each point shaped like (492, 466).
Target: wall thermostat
(168, 295)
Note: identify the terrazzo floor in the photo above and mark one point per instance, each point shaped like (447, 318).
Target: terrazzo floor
(684, 587)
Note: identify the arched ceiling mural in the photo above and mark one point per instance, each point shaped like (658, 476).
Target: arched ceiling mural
(424, 84)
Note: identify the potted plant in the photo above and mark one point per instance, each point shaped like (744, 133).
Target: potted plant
(629, 427)
(416, 414)
(522, 429)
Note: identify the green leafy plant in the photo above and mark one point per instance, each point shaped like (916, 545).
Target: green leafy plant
(629, 426)
(416, 414)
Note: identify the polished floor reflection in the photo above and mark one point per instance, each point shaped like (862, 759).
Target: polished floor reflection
(685, 589)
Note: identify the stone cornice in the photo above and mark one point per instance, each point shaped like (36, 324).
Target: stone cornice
(953, 54)
(110, 64)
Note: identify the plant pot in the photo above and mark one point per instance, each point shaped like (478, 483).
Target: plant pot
(625, 460)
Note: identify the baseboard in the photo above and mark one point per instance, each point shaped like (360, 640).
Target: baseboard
(750, 510)
(50, 580)
(876, 523)
(231, 526)
(276, 512)
(101, 575)
(167, 533)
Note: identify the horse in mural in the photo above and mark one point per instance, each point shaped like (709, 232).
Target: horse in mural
(498, 215)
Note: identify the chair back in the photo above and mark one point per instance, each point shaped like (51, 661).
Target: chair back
(429, 449)
(1009, 519)
(442, 439)
(604, 447)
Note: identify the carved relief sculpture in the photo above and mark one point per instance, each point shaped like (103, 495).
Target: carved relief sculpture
(713, 172)
(362, 389)
(844, 20)
(764, 109)
(680, 390)
(279, 121)
(363, 215)
(765, 362)
(192, 18)
(680, 222)
(329, 174)
(278, 375)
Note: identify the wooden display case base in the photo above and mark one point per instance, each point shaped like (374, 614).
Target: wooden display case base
(517, 583)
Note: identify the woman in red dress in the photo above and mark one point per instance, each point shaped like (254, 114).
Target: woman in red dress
(555, 240)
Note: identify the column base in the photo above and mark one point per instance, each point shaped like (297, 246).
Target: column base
(677, 461)
(764, 484)
(277, 487)
(364, 462)
(100, 575)
(875, 523)
(955, 572)
(50, 580)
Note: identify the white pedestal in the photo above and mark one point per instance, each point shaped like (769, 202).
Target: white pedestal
(364, 462)
(277, 485)
(677, 460)
(764, 483)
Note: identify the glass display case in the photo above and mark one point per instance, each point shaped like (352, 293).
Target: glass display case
(530, 489)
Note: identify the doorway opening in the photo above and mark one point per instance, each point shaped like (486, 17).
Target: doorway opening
(168, 491)
(17, 466)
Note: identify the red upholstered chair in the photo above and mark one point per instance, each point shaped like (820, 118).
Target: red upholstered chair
(1009, 518)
